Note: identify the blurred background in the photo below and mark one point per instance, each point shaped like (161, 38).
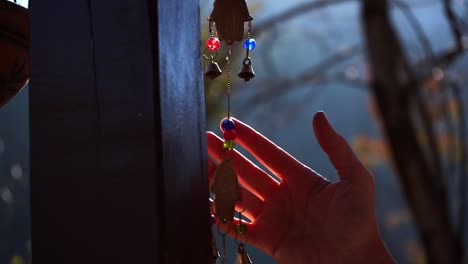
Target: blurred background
(311, 55)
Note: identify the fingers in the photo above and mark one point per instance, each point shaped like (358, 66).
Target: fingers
(250, 204)
(340, 153)
(277, 160)
(253, 178)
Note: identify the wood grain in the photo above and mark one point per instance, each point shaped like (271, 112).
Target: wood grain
(117, 133)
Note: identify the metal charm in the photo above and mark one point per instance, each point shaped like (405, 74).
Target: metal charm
(225, 187)
(230, 16)
(242, 256)
(247, 71)
(213, 70)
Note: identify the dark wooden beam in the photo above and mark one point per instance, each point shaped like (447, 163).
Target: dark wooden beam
(118, 160)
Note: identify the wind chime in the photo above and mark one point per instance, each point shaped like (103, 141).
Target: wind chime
(226, 24)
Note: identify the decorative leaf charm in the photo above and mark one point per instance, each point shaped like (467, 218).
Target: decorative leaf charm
(225, 187)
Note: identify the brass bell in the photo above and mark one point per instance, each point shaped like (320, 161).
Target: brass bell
(247, 71)
(242, 256)
(213, 70)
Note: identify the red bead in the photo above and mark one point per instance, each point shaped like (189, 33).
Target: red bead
(230, 135)
(213, 44)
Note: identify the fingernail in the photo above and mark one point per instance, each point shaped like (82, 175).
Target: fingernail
(321, 116)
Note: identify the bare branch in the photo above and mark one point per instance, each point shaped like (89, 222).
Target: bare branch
(422, 36)
(394, 85)
(313, 74)
(454, 24)
(294, 12)
(463, 159)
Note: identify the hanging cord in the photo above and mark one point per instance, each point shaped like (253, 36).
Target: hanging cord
(236, 237)
(223, 236)
(228, 92)
(223, 240)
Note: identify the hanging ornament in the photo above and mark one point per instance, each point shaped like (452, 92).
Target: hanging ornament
(242, 256)
(226, 23)
(14, 49)
(241, 231)
(225, 188)
(247, 71)
(212, 45)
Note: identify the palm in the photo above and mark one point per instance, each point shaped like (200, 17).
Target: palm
(305, 218)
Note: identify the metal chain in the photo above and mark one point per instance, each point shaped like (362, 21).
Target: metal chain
(224, 257)
(228, 92)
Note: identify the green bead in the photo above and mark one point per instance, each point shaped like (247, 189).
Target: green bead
(229, 144)
(241, 229)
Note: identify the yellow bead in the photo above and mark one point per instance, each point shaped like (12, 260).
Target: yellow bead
(229, 144)
(241, 229)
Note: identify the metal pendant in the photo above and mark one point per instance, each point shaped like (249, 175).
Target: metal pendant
(242, 256)
(225, 187)
(247, 71)
(230, 16)
(213, 70)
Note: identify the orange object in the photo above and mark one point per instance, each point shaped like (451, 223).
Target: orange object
(14, 50)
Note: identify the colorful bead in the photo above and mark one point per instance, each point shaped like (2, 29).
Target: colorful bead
(249, 44)
(213, 44)
(229, 144)
(230, 135)
(227, 124)
(241, 229)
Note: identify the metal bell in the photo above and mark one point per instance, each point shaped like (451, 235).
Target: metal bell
(242, 256)
(247, 71)
(213, 70)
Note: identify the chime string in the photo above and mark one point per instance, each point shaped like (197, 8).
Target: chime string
(223, 236)
(228, 88)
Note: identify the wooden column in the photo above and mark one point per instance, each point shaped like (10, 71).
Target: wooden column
(118, 160)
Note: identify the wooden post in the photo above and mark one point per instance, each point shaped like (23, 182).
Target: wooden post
(118, 160)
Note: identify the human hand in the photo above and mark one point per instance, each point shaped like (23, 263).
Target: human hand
(306, 218)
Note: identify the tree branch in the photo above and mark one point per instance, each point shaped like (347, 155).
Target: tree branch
(454, 24)
(313, 74)
(294, 12)
(393, 85)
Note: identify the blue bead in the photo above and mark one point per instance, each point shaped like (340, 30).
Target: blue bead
(249, 44)
(227, 124)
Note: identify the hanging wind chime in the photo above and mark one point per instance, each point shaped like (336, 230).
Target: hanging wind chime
(226, 24)
(14, 49)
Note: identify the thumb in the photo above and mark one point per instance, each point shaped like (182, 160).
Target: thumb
(339, 152)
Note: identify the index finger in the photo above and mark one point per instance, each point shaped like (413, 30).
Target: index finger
(268, 153)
